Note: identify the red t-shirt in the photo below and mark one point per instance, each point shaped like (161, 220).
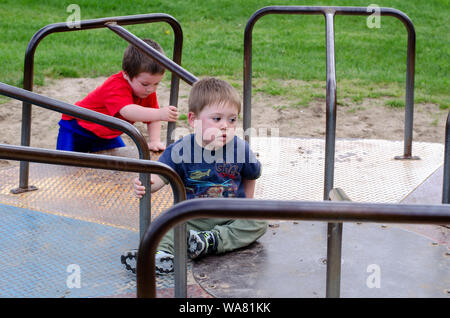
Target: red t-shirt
(109, 99)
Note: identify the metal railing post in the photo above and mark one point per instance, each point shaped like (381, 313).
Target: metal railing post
(446, 181)
(334, 229)
(151, 52)
(409, 97)
(330, 133)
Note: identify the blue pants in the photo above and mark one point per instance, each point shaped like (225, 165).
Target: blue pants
(73, 137)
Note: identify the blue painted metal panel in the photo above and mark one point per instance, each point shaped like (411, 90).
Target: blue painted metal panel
(38, 248)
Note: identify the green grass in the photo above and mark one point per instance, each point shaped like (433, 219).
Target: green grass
(395, 103)
(370, 63)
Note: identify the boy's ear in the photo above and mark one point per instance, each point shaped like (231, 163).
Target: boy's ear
(191, 119)
(125, 76)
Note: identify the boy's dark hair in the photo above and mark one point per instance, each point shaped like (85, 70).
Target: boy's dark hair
(135, 62)
(210, 90)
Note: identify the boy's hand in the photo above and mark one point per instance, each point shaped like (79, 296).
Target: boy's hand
(156, 146)
(168, 113)
(139, 189)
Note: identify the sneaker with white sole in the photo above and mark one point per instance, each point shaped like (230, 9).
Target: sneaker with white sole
(163, 262)
(129, 260)
(201, 243)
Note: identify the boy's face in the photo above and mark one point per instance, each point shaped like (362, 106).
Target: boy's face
(144, 83)
(215, 124)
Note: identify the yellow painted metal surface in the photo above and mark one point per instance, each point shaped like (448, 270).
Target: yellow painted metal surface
(99, 196)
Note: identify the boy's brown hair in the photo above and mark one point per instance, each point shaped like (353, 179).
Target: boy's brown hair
(210, 90)
(135, 62)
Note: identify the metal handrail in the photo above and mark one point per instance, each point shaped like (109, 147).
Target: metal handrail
(96, 117)
(329, 13)
(326, 211)
(79, 112)
(113, 24)
(89, 160)
(446, 182)
(180, 245)
(334, 249)
(87, 25)
(151, 52)
(331, 86)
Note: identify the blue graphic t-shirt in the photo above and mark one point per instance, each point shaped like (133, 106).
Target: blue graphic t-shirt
(212, 174)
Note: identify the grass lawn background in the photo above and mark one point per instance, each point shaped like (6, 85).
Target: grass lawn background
(369, 62)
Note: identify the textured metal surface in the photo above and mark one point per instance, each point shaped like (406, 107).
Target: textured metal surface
(366, 170)
(37, 249)
(290, 261)
(293, 169)
(99, 196)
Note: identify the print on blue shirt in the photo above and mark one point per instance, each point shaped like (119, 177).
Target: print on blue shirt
(213, 173)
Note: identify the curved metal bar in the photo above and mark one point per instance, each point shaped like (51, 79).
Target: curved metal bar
(109, 121)
(326, 211)
(446, 182)
(79, 112)
(88, 160)
(179, 231)
(313, 10)
(86, 25)
(154, 54)
(78, 159)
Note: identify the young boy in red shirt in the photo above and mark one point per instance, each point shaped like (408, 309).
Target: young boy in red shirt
(129, 95)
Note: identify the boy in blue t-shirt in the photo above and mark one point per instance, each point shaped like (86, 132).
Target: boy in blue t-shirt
(212, 163)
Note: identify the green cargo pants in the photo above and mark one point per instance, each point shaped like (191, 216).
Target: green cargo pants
(231, 234)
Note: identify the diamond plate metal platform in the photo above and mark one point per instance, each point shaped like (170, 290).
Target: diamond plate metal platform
(289, 261)
(99, 196)
(94, 213)
(293, 168)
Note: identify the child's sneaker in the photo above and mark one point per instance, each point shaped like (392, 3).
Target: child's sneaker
(129, 260)
(163, 262)
(201, 243)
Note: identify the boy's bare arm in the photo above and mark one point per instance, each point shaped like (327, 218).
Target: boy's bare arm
(137, 113)
(249, 188)
(156, 184)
